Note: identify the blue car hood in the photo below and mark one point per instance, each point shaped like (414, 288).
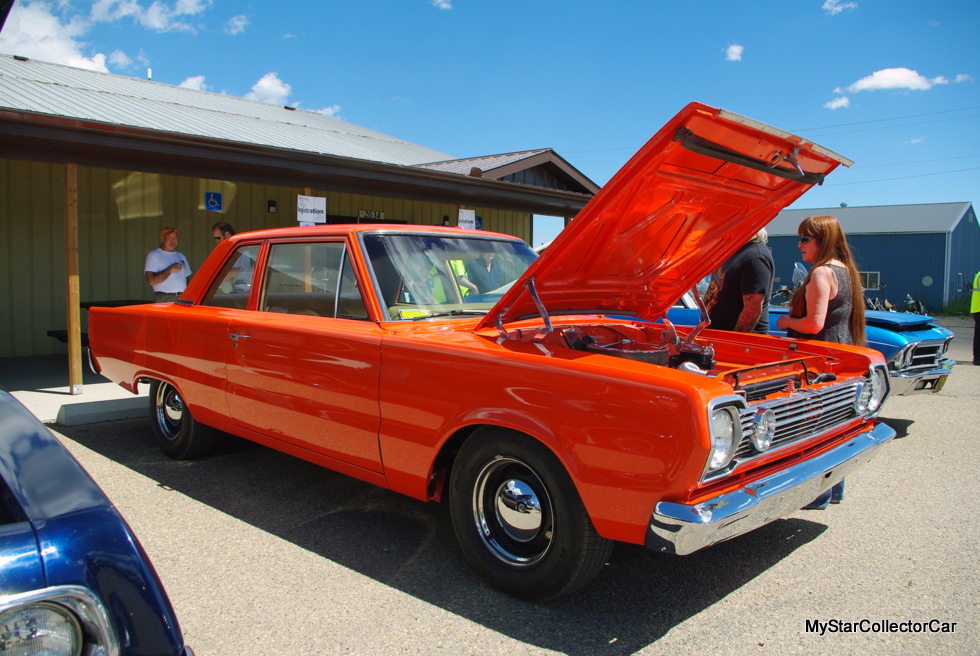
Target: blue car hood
(43, 477)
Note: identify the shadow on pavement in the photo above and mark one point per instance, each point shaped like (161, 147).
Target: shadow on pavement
(900, 426)
(411, 547)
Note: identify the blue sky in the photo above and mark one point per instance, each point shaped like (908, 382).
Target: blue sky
(892, 84)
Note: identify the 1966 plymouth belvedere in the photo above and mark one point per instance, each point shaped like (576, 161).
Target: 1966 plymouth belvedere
(539, 395)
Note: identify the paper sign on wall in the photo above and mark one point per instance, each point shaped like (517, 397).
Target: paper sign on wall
(311, 210)
(467, 219)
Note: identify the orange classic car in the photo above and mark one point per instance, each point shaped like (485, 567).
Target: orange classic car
(547, 399)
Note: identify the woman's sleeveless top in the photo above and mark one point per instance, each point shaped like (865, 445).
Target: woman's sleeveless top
(837, 326)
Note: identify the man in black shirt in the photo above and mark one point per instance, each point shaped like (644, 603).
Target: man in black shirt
(738, 296)
(484, 273)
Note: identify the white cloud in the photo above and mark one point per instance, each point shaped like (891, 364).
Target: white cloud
(196, 83)
(120, 59)
(894, 78)
(834, 7)
(270, 89)
(442, 4)
(237, 24)
(106, 11)
(333, 110)
(962, 77)
(916, 140)
(159, 16)
(838, 103)
(48, 31)
(32, 30)
(734, 52)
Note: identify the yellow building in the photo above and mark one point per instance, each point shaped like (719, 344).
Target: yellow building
(92, 165)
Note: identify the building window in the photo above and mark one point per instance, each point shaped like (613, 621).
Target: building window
(869, 280)
(959, 282)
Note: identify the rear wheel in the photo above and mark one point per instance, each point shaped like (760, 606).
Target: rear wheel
(519, 518)
(177, 433)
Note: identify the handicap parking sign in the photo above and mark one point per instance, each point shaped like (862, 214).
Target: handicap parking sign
(212, 201)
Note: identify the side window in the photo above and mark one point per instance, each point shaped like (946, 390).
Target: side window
(305, 279)
(235, 279)
(869, 279)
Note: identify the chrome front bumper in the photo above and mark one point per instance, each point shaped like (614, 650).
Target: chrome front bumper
(682, 529)
(920, 382)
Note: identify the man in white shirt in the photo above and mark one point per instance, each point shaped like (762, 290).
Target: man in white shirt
(166, 268)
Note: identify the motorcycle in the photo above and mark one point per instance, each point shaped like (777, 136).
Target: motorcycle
(882, 304)
(914, 306)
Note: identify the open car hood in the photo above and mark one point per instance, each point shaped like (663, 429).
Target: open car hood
(696, 192)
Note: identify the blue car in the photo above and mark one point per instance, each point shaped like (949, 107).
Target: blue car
(913, 345)
(74, 580)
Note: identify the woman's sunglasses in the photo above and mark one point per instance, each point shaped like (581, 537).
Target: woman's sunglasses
(805, 238)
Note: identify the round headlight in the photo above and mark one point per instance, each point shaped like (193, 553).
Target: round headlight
(765, 429)
(863, 398)
(40, 628)
(722, 439)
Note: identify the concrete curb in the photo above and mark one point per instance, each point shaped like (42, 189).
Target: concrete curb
(93, 412)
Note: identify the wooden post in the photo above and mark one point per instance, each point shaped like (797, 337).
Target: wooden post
(71, 277)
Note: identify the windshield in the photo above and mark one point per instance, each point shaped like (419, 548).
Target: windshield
(421, 276)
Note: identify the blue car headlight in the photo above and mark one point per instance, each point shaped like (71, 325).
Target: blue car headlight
(40, 628)
(67, 620)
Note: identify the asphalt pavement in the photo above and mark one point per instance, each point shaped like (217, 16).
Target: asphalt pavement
(262, 553)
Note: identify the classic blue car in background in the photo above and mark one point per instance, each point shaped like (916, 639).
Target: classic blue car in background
(913, 344)
(74, 580)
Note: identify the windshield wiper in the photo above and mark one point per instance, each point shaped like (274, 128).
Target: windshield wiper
(450, 313)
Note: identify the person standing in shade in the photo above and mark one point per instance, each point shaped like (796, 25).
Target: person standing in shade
(166, 268)
(738, 295)
(824, 306)
(975, 311)
(221, 231)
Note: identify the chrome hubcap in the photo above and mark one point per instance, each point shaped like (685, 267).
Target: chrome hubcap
(169, 411)
(513, 512)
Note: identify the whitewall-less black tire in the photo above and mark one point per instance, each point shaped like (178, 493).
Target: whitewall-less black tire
(177, 433)
(519, 518)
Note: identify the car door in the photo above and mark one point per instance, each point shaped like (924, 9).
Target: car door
(305, 362)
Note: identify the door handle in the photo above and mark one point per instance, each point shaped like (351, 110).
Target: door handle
(238, 336)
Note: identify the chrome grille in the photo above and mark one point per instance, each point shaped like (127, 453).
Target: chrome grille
(807, 412)
(925, 357)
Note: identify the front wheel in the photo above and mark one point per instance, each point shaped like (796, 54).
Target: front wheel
(519, 518)
(177, 433)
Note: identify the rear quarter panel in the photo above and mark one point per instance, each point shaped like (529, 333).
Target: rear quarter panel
(181, 344)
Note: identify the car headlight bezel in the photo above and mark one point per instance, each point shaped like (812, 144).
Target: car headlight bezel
(724, 434)
(880, 387)
(902, 359)
(97, 634)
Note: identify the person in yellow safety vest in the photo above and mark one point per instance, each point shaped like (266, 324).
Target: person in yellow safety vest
(459, 272)
(975, 311)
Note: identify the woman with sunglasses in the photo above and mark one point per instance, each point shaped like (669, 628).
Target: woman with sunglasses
(824, 306)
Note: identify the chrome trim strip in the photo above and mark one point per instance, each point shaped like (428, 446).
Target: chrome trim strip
(683, 529)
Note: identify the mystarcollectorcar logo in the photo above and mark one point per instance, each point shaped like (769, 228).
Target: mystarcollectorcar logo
(879, 626)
